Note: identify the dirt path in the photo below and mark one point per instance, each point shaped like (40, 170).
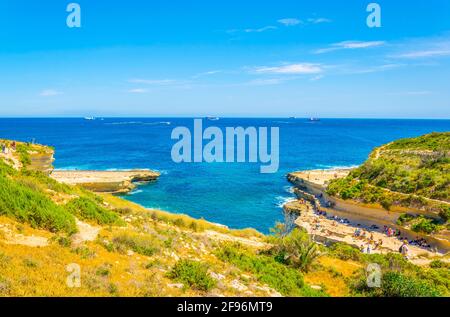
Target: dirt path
(30, 241)
(11, 237)
(86, 232)
(9, 156)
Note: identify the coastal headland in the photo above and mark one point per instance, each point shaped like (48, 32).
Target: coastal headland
(116, 182)
(318, 215)
(403, 189)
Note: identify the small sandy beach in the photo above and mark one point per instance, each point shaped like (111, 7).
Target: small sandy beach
(321, 177)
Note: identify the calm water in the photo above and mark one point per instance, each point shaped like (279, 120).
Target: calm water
(236, 195)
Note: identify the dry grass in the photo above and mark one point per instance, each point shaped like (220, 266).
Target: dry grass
(331, 274)
(179, 220)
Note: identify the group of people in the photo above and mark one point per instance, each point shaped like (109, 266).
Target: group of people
(391, 232)
(321, 213)
(335, 218)
(5, 148)
(364, 235)
(421, 242)
(369, 243)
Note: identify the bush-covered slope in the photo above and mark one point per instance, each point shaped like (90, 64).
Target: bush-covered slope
(408, 172)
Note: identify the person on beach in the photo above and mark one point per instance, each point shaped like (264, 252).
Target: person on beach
(368, 250)
(378, 244)
(363, 234)
(404, 249)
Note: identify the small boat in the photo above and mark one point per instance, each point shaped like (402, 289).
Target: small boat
(314, 119)
(212, 118)
(89, 118)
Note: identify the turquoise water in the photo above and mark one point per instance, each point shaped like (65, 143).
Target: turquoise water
(236, 195)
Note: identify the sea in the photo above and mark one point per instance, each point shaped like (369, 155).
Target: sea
(233, 194)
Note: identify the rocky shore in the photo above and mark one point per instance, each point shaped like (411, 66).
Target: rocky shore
(105, 181)
(310, 190)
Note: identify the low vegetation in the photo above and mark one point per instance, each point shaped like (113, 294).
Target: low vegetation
(192, 274)
(139, 243)
(283, 278)
(88, 209)
(411, 173)
(295, 249)
(399, 277)
(24, 203)
(420, 224)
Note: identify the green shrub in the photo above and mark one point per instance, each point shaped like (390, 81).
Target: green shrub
(29, 262)
(296, 249)
(84, 252)
(395, 284)
(6, 169)
(24, 156)
(104, 270)
(63, 241)
(345, 252)
(404, 219)
(422, 224)
(439, 276)
(444, 213)
(46, 181)
(88, 209)
(139, 243)
(438, 264)
(286, 280)
(192, 274)
(28, 205)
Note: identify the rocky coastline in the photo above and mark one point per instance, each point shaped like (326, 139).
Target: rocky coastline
(310, 189)
(116, 182)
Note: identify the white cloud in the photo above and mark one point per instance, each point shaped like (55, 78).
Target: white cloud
(425, 53)
(208, 73)
(138, 91)
(303, 68)
(50, 93)
(319, 20)
(263, 29)
(152, 81)
(350, 45)
(375, 69)
(289, 21)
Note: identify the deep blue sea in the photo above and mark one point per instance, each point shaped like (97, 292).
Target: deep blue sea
(236, 195)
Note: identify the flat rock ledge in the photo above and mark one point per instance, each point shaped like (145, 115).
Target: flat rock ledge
(117, 182)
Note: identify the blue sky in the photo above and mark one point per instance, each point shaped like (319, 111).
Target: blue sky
(226, 58)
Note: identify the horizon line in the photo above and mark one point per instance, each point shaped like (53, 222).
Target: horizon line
(221, 117)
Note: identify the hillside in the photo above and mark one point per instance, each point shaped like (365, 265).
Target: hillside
(122, 249)
(63, 240)
(412, 173)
